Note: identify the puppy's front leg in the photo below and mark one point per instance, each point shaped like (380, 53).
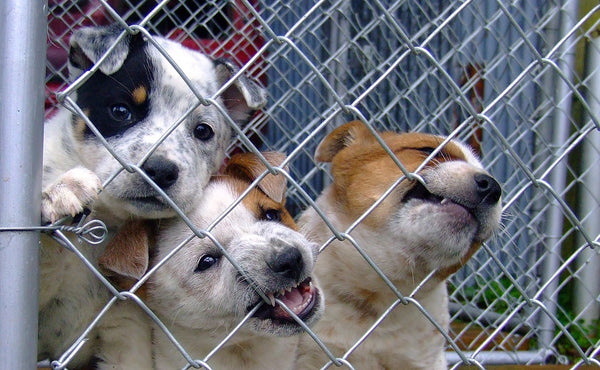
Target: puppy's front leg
(125, 339)
(69, 194)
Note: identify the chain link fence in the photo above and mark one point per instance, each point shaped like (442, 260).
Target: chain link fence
(519, 80)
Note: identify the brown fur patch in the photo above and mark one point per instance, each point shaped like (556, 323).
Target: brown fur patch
(356, 153)
(269, 194)
(248, 167)
(79, 126)
(258, 203)
(139, 95)
(125, 259)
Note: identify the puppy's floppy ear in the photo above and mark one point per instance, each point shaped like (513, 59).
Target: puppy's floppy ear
(126, 255)
(342, 137)
(248, 167)
(243, 97)
(88, 44)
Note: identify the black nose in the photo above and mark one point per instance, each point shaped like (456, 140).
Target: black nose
(287, 263)
(161, 170)
(488, 189)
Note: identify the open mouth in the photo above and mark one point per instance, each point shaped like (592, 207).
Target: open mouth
(419, 191)
(301, 300)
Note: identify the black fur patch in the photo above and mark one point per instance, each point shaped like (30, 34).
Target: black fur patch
(103, 95)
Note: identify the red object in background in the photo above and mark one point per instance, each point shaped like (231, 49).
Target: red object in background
(239, 42)
(80, 14)
(61, 21)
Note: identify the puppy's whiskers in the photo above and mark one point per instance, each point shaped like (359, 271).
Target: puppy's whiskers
(119, 83)
(176, 314)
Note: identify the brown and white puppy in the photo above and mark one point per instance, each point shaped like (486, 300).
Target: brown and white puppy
(417, 229)
(201, 296)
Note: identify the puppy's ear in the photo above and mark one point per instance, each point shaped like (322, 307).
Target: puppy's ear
(126, 255)
(88, 44)
(243, 97)
(248, 167)
(340, 138)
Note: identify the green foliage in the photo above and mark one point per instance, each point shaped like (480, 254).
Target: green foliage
(499, 295)
(585, 334)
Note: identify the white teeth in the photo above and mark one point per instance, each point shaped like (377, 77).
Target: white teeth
(444, 201)
(271, 298)
(282, 292)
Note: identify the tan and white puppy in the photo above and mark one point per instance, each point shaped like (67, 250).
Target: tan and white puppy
(201, 296)
(417, 229)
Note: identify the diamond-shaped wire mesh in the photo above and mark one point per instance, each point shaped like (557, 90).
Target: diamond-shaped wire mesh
(516, 79)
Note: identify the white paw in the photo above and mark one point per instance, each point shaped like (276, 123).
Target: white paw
(69, 194)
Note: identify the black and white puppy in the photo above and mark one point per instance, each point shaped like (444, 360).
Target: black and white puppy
(135, 99)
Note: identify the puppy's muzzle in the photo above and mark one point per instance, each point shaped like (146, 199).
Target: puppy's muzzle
(487, 188)
(162, 171)
(483, 193)
(292, 286)
(287, 263)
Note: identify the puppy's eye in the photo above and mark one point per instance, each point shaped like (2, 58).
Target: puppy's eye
(120, 112)
(427, 150)
(271, 215)
(203, 132)
(206, 262)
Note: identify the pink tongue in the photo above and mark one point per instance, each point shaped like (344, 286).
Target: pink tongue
(293, 300)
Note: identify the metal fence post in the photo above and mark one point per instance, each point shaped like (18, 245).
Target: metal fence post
(558, 177)
(22, 63)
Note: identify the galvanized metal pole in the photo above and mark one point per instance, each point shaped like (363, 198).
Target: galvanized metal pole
(560, 133)
(22, 62)
(587, 290)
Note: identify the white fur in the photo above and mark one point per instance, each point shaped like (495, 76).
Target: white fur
(411, 240)
(70, 296)
(201, 308)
